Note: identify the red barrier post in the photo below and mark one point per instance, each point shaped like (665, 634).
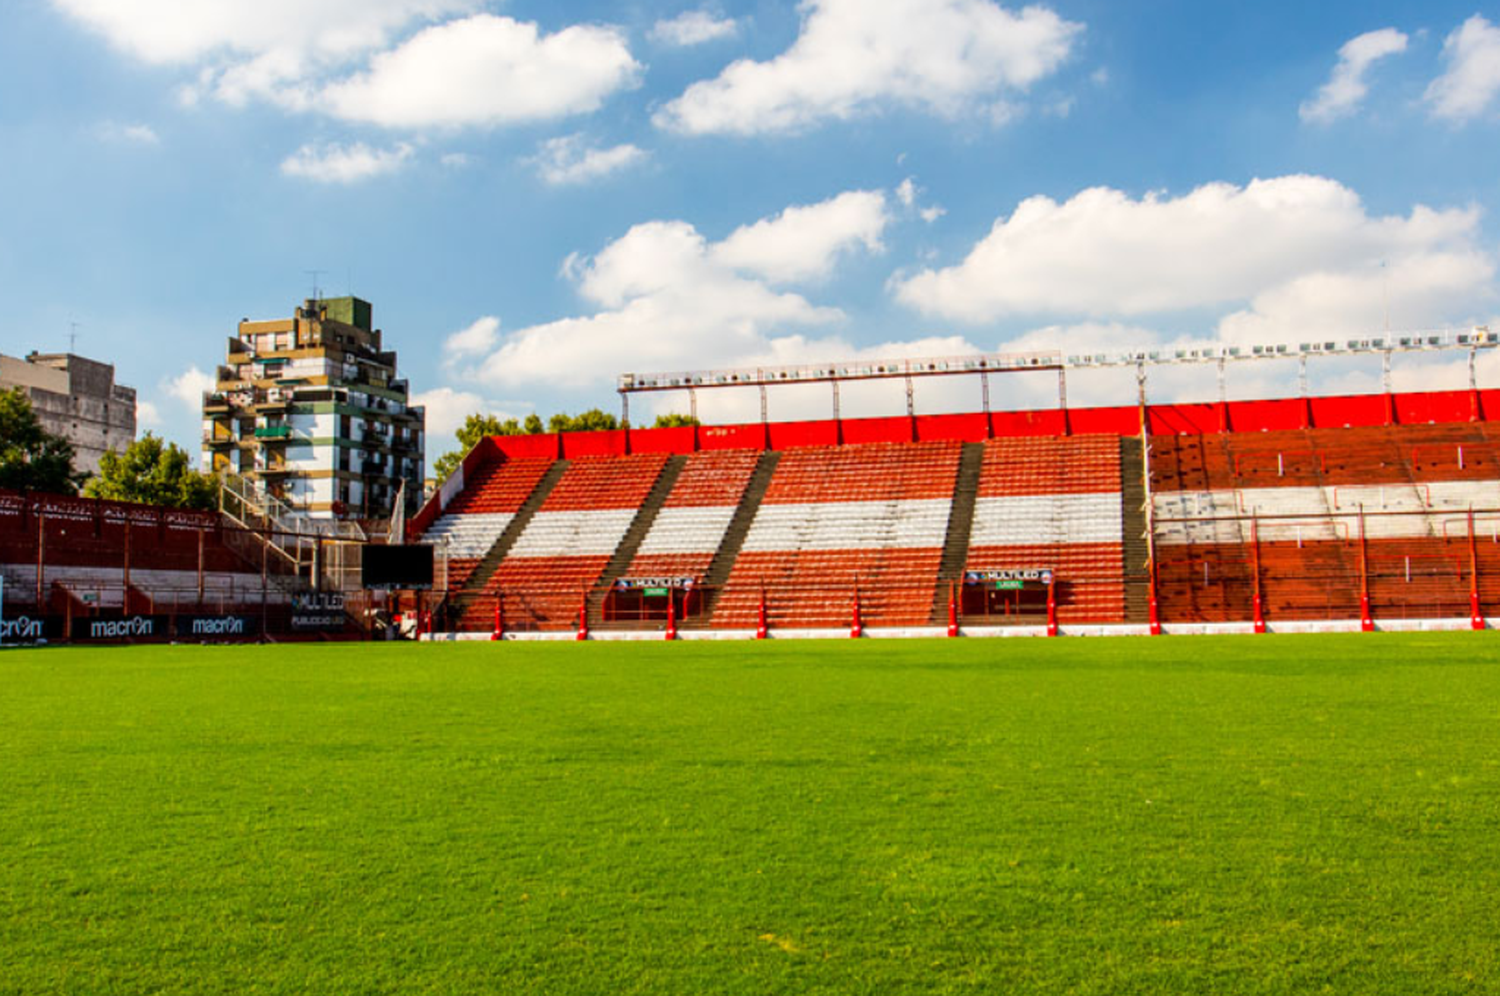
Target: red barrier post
(1476, 616)
(760, 623)
(498, 633)
(583, 617)
(1258, 608)
(856, 628)
(952, 611)
(671, 613)
(1052, 607)
(1155, 616)
(1366, 620)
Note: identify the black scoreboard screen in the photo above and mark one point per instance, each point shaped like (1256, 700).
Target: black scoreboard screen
(393, 567)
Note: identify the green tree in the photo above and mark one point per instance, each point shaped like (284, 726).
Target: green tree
(31, 458)
(592, 420)
(153, 472)
(672, 420)
(475, 428)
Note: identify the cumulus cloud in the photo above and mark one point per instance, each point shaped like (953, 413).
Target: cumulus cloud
(359, 60)
(1472, 78)
(335, 163)
(486, 70)
(804, 242)
(169, 31)
(571, 159)
(855, 57)
(475, 339)
(1342, 94)
(664, 295)
(1105, 254)
(187, 388)
(147, 415)
(693, 27)
(447, 408)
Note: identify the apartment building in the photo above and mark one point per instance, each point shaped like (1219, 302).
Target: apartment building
(311, 409)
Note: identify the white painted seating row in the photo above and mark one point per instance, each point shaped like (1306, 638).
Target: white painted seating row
(1021, 520)
(581, 533)
(687, 529)
(469, 534)
(849, 525)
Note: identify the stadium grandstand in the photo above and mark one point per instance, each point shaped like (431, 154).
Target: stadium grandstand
(1357, 511)
(1370, 511)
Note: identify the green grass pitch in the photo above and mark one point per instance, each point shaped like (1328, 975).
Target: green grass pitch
(1186, 815)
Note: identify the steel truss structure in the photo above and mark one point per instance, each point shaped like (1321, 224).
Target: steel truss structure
(1385, 345)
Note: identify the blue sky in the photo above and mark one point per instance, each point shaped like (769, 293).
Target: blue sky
(537, 196)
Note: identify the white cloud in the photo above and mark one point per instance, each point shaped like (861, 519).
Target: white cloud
(147, 415)
(570, 159)
(854, 57)
(456, 160)
(455, 71)
(447, 408)
(693, 27)
(667, 297)
(170, 31)
(187, 387)
(804, 242)
(127, 134)
(1473, 76)
(476, 339)
(344, 163)
(485, 71)
(907, 194)
(1346, 87)
(1105, 254)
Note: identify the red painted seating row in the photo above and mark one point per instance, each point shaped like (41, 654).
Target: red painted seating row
(866, 472)
(1044, 465)
(499, 486)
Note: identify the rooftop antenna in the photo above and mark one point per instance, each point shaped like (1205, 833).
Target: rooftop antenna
(315, 274)
(73, 337)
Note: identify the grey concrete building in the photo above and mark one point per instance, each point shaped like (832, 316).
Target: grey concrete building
(75, 397)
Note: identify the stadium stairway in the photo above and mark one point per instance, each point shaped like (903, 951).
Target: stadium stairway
(734, 536)
(488, 564)
(625, 552)
(960, 525)
(1134, 552)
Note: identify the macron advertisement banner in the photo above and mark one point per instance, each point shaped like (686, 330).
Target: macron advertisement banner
(121, 627)
(30, 629)
(217, 627)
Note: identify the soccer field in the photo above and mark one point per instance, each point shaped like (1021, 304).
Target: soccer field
(1176, 815)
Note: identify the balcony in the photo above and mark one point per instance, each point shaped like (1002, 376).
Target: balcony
(213, 401)
(273, 432)
(214, 440)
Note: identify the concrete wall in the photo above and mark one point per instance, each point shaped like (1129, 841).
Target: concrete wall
(76, 398)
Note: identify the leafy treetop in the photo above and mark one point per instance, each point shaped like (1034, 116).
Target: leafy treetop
(153, 472)
(31, 458)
